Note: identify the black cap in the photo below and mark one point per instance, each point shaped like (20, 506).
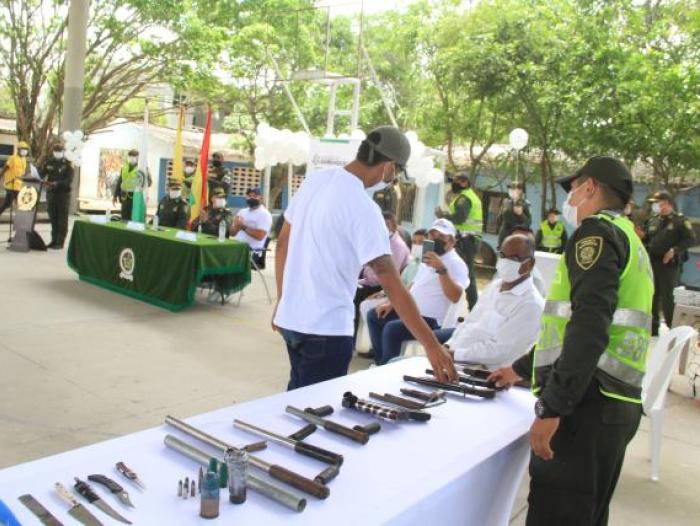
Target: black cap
(607, 170)
(553, 211)
(391, 143)
(133, 152)
(189, 161)
(661, 195)
(516, 184)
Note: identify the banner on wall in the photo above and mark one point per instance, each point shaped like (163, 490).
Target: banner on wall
(327, 153)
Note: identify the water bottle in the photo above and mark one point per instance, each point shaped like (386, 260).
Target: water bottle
(222, 230)
(155, 222)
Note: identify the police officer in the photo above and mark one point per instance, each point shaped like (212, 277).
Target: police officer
(130, 178)
(211, 218)
(588, 364)
(515, 211)
(552, 236)
(57, 173)
(189, 170)
(466, 213)
(173, 210)
(668, 235)
(219, 176)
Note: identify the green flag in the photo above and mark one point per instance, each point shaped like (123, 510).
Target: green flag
(138, 211)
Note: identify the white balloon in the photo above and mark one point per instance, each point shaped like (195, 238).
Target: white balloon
(344, 136)
(412, 136)
(70, 156)
(260, 164)
(66, 136)
(78, 134)
(518, 138)
(358, 134)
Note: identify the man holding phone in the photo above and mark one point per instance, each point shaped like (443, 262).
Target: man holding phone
(441, 280)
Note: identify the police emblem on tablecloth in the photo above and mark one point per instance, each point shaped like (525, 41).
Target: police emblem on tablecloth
(127, 263)
(588, 251)
(27, 198)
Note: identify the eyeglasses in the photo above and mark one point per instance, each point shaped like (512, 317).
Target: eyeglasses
(514, 258)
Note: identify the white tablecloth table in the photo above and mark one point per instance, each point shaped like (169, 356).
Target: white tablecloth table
(462, 467)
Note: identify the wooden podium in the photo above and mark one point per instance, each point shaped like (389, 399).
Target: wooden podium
(25, 238)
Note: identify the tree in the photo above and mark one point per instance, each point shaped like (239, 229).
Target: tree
(131, 44)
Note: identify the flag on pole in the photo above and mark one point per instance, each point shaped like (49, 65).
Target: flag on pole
(138, 212)
(199, 196)
(178, 168)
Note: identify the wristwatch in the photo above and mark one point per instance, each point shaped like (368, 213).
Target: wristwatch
(441, 271)
(542, 411)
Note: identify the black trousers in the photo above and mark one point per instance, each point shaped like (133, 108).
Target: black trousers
(575, 487)
(10, 197)
(467, 248)
(127, 205)
(361, 295)
(58, 215)
(665, 280)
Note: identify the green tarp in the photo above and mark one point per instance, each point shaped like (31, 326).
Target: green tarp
(154, 266)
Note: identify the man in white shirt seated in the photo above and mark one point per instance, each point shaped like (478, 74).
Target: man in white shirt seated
(440, 282)
(252, 224)
(537, 278)
(505, 322)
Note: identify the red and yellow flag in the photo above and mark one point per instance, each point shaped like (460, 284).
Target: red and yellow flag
(199, 196)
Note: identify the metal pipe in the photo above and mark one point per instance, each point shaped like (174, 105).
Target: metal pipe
(277, 472)
(339, 429)
(282, 496)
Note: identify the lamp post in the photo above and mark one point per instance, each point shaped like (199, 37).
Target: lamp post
(518, 140)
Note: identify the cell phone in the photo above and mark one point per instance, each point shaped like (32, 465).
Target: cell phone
(428, 246)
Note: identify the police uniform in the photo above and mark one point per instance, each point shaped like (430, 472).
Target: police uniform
(466, 213)
(588, 364)
(219, 177)
(551, 237)
(60, 172)
(130, 179)
(508, 219)
(663, 233)
(214, 217)
(173, 212)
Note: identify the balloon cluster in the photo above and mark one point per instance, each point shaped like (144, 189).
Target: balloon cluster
(421, 165)
(73, 144)
(275, 146)
(356, 134)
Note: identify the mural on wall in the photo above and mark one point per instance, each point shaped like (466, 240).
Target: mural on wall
(111, 162)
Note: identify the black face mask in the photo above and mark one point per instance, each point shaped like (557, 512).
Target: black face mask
(253, 203)
(217, 164)
(456, 188)
(440, 248)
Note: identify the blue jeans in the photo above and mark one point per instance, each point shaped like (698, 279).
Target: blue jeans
(314, 358)
(443, 335)
(388, 334)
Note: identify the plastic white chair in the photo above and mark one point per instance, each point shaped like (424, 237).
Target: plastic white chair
(661, 364)
(414, 348)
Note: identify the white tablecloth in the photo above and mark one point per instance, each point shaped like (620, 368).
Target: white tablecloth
(462, 467)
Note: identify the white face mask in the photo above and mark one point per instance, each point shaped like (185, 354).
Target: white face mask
(23, 152)
(508, 270)
(381, 185)
(514, 194)
(189, 170)
(58, 155)
(175, 194)
(656, 208)
(219, 203)
(570, 212)
(133, 160)
(416, 251)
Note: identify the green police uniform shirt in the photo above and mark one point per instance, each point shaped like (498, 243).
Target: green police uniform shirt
(596, 255)
(58, 171)
(173, 212)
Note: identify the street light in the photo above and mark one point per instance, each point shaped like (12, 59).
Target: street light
(518, 140)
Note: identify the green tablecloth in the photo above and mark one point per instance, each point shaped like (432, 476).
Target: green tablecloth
(154, 266)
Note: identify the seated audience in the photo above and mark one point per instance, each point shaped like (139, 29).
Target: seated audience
(368, 283)
(440, 282)
(252, 224)
(505, 322)
(537, 277)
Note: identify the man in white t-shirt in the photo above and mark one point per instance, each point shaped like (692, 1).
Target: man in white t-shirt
(440, 282)
(332, 229)
(252, 225)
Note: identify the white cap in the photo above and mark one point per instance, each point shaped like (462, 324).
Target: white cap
(444, 226)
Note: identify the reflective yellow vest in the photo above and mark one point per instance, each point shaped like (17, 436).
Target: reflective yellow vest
(475, 221)
(621, 367)
(551, 236)
(130, 178)
(16, 169)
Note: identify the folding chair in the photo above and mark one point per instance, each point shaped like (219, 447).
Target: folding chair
(258, 262)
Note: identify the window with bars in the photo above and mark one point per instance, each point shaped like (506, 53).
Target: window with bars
(243, 176)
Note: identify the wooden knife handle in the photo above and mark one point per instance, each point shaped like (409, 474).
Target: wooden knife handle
(352, 434)
(301, 483)
(318, 453)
